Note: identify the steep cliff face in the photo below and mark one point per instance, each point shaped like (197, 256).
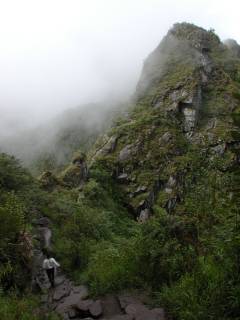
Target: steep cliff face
(182, 122)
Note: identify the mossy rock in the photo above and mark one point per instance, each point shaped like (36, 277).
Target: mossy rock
(48, 180)
(74, 175)
(78, 157)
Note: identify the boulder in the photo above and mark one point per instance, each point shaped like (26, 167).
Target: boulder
(144, 215)
(123, 177)
(170, 184)
(78, 158)
(219, 149)
(84, 305)
(190, 118)
(126, 299)
(135, 309)
(165, 138)
(69, 302)
(149, 315)
(96, 309)
(72, 313)
(61, 291)
(65, 316)
(139, 190)
(160, 312)
(111, 306)
(178, 95)
(82, 291)
(75, 175)
(122, 317)
(110, 146)
(48, 181)
(171, 203)
(125, 153)
(59, 280)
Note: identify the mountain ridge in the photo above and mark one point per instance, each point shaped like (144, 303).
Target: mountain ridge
(153, 206)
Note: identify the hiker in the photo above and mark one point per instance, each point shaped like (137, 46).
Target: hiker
(50, 264)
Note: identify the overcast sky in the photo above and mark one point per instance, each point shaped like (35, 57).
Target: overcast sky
(57, 54)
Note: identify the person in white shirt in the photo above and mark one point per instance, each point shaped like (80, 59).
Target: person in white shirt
(49, 265)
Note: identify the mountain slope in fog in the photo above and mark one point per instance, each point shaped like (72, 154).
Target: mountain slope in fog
(52, 144)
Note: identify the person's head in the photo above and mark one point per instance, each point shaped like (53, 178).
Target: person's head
(47, 255)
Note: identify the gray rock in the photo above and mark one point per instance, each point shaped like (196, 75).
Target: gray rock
(212, 123)
(140, 189)
(96, 309)
(135, 309)
(178, 95)
(219, 149)
(160, 312)
(69, 302)
(144, 215)
(165, 138)
(84, 305)
(61, 291)
(72, 314)
(122, 317)
(190, 108)
(171, 203)
(59, 280)
(125, 153)
(149, 315)
(75, 175)
(170, 184)
(82, 291)
(126, 299)
(65, 316)
(173, 108)
(110, 146)
(190, 118)
(111, 306)
(123, 177)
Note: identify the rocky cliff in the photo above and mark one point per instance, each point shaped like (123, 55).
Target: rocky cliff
(182, 121)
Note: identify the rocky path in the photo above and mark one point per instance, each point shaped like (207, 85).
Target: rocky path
(72, 302)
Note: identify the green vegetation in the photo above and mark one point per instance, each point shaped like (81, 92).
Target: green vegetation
(187, 253)
(25, 308)
(20, 196)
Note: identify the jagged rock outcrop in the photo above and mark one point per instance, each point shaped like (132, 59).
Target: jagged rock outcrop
(185, 99)
(48, 181)
(76, 174)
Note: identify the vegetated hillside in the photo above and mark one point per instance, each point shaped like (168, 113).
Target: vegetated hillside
(20, 200)
(176, 161)
(50, 146)
(154, 206)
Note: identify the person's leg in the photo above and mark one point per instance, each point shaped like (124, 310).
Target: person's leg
(48, 271)
(52, 277)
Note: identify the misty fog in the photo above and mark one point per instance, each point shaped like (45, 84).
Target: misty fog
(57, 55)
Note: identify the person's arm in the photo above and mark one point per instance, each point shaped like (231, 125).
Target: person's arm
(55, 262)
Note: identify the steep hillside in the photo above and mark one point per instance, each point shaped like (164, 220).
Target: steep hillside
(153, 207)
(176, 161)
(182, 123)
